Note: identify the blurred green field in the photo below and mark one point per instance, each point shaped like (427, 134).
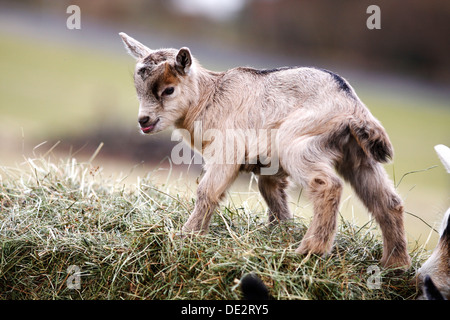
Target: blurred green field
(51, 91)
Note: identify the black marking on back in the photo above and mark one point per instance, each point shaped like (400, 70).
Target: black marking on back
(343, 85)
(263, 72)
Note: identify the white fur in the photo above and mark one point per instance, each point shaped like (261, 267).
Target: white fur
(444, 154)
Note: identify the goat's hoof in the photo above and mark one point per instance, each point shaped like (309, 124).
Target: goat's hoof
(399, 262)
(185, 234)
(308, 248)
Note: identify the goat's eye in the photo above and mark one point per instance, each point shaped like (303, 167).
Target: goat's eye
(168, 91)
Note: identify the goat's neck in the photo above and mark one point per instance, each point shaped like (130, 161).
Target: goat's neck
(206, 82)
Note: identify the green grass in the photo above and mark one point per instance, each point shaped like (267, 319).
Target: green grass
(50, 89)
(415, 125)
(124, 242)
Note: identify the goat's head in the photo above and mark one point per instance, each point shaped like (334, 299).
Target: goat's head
(434, 275)
(437, 266)
(164, 81)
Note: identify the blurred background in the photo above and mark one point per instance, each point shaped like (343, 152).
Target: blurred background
(64, 92)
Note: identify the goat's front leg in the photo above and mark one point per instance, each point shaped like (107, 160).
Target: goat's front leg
(211, 189)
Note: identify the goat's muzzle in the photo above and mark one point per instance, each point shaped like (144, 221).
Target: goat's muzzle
(146, 125)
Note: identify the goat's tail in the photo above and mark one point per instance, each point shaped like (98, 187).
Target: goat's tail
(371, 136)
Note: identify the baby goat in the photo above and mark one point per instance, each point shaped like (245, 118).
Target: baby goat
(434, 275)
(320, 125)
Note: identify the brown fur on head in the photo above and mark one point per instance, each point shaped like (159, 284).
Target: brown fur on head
(303, 124)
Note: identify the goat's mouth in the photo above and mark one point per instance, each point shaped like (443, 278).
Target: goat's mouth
(149, 128)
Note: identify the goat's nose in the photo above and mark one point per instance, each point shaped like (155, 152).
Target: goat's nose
(143, 120)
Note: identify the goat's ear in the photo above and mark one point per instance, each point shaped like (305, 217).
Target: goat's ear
(134, 47)
(445, 228)
(443, 154)
(183, 60)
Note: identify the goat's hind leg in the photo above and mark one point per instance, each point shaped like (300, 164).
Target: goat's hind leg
(310, 165)
(325, 189)
(272, 189)
(372, 185)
